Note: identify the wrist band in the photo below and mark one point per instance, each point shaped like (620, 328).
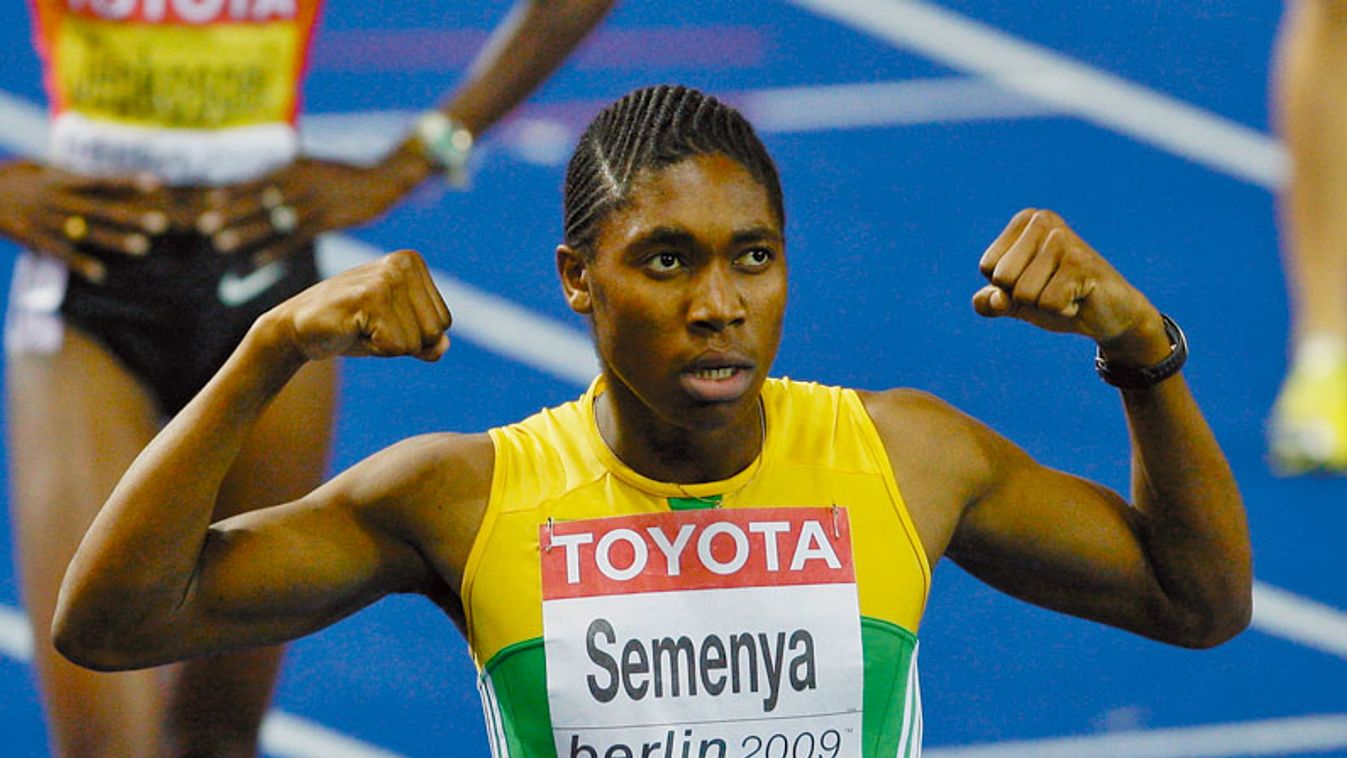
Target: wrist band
(1138, 378)
(447, 144)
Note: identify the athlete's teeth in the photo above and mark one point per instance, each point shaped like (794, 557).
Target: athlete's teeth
(715, 373)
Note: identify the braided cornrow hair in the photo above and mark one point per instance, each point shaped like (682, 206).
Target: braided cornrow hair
(652, 128)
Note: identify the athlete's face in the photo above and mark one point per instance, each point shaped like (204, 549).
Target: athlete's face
(687, 290)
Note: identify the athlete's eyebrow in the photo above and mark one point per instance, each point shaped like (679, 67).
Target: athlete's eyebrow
(756, 234)
(671, 236)
(674, 236)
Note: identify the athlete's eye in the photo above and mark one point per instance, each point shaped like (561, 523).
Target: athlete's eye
(756, 258)
(663, 263)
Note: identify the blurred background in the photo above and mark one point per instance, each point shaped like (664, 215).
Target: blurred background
(907, 134)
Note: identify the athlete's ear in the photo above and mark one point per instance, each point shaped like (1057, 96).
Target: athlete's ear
(574, 271)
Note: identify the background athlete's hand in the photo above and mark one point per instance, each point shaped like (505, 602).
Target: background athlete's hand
(1042, 272)
(387, 307)
(273, 217)
(78, 219)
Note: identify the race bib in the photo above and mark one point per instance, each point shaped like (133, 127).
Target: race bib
(707, 633)
(183, 77)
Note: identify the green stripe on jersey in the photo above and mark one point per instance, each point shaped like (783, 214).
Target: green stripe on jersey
(694, 503)
(517, 676)
(515, 692)
(892, 702)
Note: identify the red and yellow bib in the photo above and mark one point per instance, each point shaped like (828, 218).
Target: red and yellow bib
(196, 91)
(613, 615)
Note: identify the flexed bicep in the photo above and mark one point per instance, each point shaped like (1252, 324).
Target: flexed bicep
(1065, 543)
(273, 575)
(402, 521)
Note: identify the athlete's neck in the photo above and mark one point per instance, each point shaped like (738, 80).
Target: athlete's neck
(665, 452)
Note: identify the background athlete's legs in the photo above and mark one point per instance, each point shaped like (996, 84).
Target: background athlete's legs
(1309, 429)
(218, 703)
(76, 421)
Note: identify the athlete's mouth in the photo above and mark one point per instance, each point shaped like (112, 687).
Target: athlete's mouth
(717, 378)
(715, 374)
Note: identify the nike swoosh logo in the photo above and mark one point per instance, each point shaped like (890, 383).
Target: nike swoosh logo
(236, 290)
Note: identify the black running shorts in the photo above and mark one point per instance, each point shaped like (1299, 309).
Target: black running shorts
(175, 315)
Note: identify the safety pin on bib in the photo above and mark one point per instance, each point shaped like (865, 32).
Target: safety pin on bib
(837, 531)
(551, 530)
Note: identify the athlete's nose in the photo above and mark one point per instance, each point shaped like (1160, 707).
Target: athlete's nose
(717, 302)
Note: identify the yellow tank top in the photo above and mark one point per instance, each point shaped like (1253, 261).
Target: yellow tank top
(562, 504)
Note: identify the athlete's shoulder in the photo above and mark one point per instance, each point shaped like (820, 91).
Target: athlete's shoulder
(784, 389)
(906, 415)
(551, 433)
(547, 453)
(900, 402)
(908, 405)
(927, 432)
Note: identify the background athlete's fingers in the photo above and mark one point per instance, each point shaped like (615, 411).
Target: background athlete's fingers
(1003, 241)
(111, 186)
(239, 218)
(84, 266)
(129, 216)
(251, 236)
(1021, 252)
(280, 249)
(77, 231)
(246, 205)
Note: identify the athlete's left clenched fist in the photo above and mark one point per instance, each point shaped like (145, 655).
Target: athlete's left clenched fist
(1042, 272)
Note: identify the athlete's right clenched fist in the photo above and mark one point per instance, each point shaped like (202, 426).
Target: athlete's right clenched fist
(386, 307)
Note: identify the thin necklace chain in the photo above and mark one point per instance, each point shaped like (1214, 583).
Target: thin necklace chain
(715, 500)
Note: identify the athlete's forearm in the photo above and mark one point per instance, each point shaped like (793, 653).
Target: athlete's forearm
(135, 565)
(523, 52)
(1193, 526)
(525, 49)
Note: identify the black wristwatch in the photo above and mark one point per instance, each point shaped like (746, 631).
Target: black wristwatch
(1138, 378)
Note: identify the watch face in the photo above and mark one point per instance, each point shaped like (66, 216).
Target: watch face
(447, 143)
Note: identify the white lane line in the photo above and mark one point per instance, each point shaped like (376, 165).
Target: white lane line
(284, 735)
(1073, 87)
(24, 126)
(1299, 619)
(877, 104)
(360, 137)
(1302, 734)
(287, 736)
(16, 638)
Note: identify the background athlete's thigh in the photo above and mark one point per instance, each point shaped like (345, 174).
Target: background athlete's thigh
(77, 419)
